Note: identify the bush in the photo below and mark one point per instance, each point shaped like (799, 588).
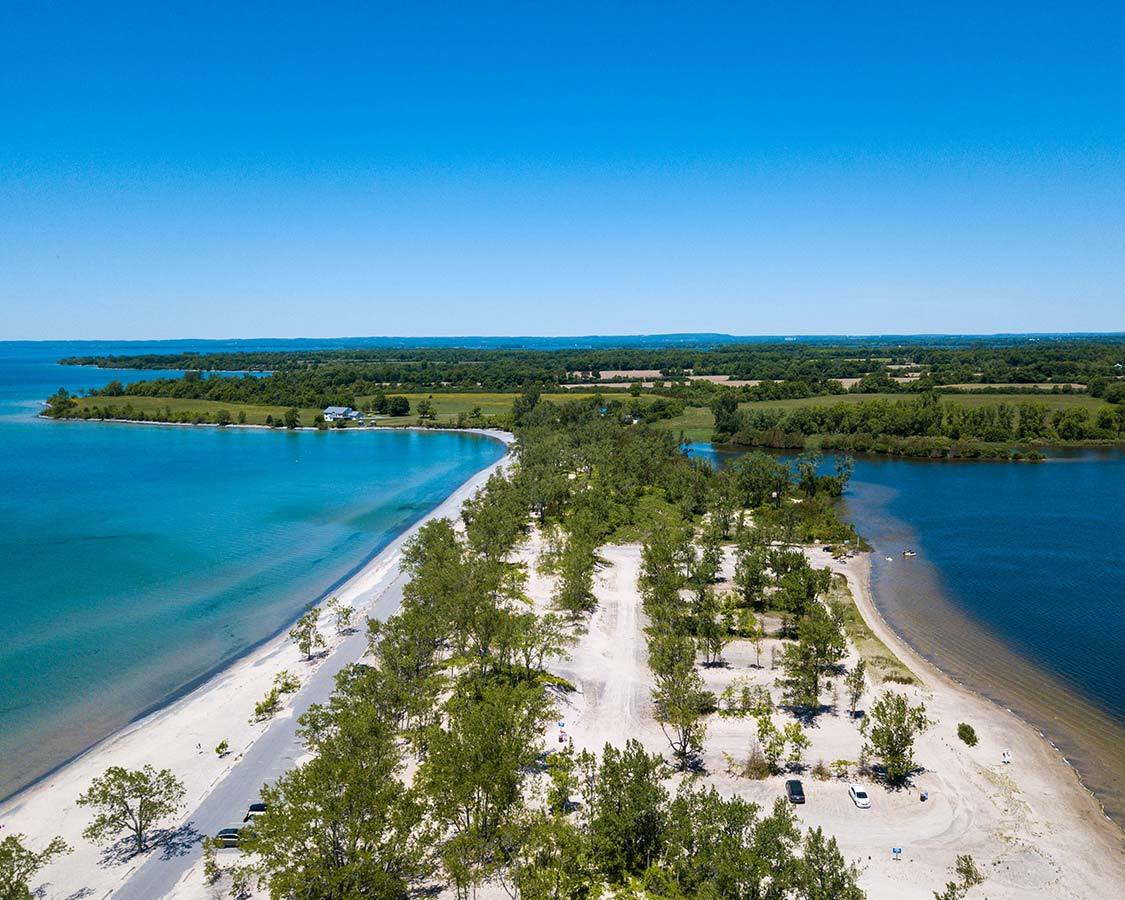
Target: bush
(286, 682)
(757, 767)
(967, 733)
(267, 706)
(820, 771)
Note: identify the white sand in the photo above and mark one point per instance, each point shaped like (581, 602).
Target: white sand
(1030, 826)
(182, 736)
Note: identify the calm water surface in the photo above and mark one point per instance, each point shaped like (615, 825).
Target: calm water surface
(1018, 589)
(136, 559)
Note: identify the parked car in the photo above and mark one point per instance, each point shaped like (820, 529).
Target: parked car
(794, 791)
(859, 796)
(255, 810)
(229, 837)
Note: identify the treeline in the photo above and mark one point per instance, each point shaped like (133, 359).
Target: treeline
(940, 361)
(457, 692)
(922, 427)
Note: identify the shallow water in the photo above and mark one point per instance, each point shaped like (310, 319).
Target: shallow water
(1018, 588)
(136, 559)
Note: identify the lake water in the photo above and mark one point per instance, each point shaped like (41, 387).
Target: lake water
(137, 559)
(1018, 589)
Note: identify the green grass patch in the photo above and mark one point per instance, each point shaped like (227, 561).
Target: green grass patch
(881, 662)
(152, 407)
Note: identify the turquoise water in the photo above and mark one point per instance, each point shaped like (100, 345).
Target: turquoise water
(1018, 589)
(135, 560)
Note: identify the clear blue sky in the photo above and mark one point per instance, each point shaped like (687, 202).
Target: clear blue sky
(320, 169)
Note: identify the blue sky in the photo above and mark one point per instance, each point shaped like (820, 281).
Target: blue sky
(326, 169)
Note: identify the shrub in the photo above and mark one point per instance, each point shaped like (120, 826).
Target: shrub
(757, 767)
(223, 748)
(286, 682)
(967, 733)
(820, 771)
(267, 706)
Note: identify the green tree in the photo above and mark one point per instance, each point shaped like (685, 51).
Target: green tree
(709, 625)
(854, 683)
(292, 417)
(398, 406)
(679, 695)
(473, 772)
(894, 726)
(425, 408)
(820, 645)
(725, 409)
(305, 633)
(223, 418)
(626, 805)
(342, 612)
(18, 864)
(342, 825)
(772, 742)
(750, 572)
(761, 479)
(823, 873)
(547, 857)
(131, 802)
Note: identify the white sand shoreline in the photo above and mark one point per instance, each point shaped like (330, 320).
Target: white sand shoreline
(869, 609)
(181, 735)
(1034, 831)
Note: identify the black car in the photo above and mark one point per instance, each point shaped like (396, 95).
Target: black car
(794, 791)
(255, 810)
(229, 837)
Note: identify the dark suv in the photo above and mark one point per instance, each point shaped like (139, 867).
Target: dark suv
(794, 791)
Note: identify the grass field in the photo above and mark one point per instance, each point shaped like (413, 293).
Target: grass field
(697, 422)
(255, 415)
(446, 407)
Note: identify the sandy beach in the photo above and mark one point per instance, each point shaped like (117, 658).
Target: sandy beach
(1031, 827)
(183, 736)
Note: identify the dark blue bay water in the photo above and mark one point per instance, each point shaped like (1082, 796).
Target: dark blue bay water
(1018, 589)
(136, 559)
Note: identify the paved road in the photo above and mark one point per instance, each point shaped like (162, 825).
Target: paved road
(278, 748)
(270, 756)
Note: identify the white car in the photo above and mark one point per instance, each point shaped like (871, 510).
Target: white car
(859, 796)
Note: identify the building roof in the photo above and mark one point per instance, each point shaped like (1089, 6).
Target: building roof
(337, 410)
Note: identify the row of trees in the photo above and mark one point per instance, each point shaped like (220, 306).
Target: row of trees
(858, 425)
(496, 367)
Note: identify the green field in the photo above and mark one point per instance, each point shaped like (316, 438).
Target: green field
(209, 409)
(446, 407)
(697, 422)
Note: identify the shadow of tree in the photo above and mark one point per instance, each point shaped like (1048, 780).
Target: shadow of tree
(172, 842)
(177, 841)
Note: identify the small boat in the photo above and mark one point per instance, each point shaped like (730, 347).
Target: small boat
(890, 559)
(909, 553)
